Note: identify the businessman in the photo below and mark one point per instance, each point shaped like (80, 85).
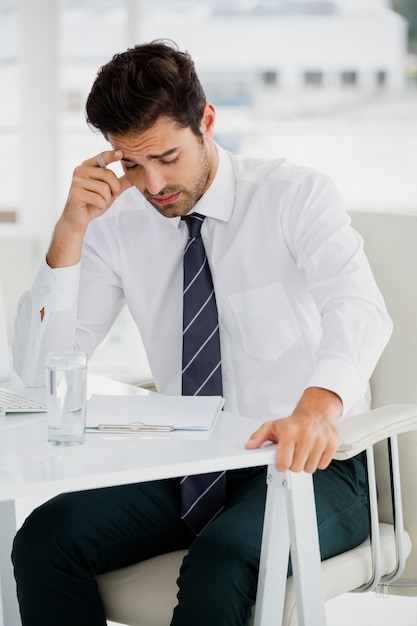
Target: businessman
(293, 320)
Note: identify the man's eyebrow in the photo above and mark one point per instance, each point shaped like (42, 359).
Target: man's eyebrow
(164, 154)
(151, 157)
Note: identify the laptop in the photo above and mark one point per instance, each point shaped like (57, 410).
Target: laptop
(14, 398)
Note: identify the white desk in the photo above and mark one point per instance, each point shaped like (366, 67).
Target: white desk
(29, 467)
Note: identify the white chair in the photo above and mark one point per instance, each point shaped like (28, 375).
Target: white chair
(145, 594)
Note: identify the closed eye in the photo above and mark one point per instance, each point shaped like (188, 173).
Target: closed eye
(171, 162)
(129, 165)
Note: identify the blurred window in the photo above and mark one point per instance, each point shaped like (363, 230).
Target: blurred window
(381, 78)
(349, 78)
(313, 78)
(270, 78)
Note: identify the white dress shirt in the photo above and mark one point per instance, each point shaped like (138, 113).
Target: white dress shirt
(298, 305)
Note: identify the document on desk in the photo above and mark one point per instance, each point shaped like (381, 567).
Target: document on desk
(155, 412)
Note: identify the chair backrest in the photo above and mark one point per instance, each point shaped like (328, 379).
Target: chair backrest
(390, 242)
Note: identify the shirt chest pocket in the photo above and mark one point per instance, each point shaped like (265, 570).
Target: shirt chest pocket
(266, 323)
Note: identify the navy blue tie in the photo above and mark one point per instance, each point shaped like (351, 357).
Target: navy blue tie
(202, 496)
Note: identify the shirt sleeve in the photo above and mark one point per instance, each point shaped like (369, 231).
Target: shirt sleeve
(355, 323)
(54, 293)
(78, 303)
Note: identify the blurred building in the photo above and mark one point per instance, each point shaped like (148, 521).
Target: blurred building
(321, 82)
(258, 59)
(270, 56)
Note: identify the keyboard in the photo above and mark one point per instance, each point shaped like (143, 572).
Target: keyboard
(11, 402)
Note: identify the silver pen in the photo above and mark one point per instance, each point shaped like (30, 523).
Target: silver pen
(136, 427)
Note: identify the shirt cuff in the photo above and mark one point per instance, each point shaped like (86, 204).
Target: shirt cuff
(55, 289)
(341, 378)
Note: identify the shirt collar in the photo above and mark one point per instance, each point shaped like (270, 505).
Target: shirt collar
(218, 200)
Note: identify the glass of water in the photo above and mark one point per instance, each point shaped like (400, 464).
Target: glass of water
(66, 382)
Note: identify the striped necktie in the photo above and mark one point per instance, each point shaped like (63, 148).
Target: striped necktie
(202, 496)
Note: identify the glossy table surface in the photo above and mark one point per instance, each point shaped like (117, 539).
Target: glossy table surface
(30, 466)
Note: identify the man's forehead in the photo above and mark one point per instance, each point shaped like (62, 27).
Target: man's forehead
(162, 139)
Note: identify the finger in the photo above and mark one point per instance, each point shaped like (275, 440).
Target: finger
(101, 162)
(307, 452)
(308, 463)
(124, 183)
(300, 459)
(327, 456)
(100, 180)
(284, 456)
(321, 455)
(264, 433)
(85, 197)
(325, 461)
(105, 185)
(106, 157)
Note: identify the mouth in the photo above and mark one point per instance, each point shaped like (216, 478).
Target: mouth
(162, 200)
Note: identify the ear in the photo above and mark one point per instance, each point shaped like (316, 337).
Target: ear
(208, 119)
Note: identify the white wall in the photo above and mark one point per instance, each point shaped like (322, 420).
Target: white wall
(19, 260)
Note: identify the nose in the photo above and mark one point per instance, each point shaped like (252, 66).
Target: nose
(154, 180)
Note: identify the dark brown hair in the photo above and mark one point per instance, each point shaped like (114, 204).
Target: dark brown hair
(143, 84)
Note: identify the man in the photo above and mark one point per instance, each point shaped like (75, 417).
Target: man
(302, 325)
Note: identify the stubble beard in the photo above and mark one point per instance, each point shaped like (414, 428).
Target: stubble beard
(189, 195)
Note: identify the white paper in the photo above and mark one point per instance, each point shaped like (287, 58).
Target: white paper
(180, 412)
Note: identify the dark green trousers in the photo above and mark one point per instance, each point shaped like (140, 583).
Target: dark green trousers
(66, 541)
